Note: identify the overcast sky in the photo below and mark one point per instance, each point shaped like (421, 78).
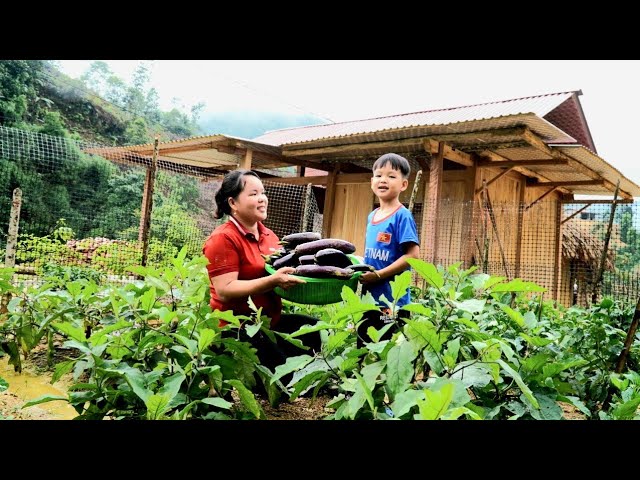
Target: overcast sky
(340, 90)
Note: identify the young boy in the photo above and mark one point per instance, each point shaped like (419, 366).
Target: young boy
(391, 238)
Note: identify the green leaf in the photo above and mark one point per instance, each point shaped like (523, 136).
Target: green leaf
(192, 345)
(472, 374)
(576, 402)
(292, 364)
(62, 368)
(3, 385)
(513, 315)
(455, 413)
(218, 402)
(548, 408)
(148, 299)
(157, 405)
(253, 328)
(136, 381)
(69, 330)
(471, 305)
(523, 387)
(171, 385)
(247, 399)
(518, 285)
(206, 337)
(535, 340)
(405, 401)
(400, 285)
(362, 388)
(400, 368)
(436, 403)
(428, 271)
(418, 308)
(98, 336)
(305, 382)
(44, 399)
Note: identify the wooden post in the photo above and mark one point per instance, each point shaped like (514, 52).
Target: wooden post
(557, 261)
(307, 203)
(430, 213)
(147, 203)
(521, 205)
(495, 229)
(12, 242)
(414, 192)
(470, 218)
(603, 258)
(14, 222)
(246, 161)
(622, 360)
(329, 201)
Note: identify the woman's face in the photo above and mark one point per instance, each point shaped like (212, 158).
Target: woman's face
(251, 204)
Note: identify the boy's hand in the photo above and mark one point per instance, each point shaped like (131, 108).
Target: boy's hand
(370, 277)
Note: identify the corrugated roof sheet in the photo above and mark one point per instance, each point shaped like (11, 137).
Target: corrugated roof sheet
(539, 105)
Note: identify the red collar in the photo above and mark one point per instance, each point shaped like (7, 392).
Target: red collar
(261, 228)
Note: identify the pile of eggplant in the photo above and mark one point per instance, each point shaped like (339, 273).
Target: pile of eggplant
(316, 257)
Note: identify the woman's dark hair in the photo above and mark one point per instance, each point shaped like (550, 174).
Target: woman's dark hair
(232, 185)
(397, 163)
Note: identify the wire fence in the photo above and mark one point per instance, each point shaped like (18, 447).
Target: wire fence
(80, 210)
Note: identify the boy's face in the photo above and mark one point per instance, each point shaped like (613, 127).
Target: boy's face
(387, 183)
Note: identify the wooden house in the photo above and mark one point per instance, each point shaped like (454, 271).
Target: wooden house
(494, 181)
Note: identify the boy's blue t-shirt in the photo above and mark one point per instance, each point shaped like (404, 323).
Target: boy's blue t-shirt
(383, 246)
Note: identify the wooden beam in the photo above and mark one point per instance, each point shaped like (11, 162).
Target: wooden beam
(575, 213)
(557, 261)
(536, 142)
(429, 242)
(521, 204)
(565, 184)
(540, 198)
(351, 148)
(450, 153)
(147, 203)
(329, 202)
(245, 163)
(580, 202)
(504, 172)
(520, 163)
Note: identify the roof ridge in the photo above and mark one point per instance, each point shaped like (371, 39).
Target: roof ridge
(420, 111)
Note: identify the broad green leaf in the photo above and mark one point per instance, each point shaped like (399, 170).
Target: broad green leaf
(253, 328)
(306, 381)
(418, 308)
(99, 335)
(192, 345)
(62, 368)
(362, 387)
(3, 385)
(455, 413)
(428, 271)
(530, 320)
(553, 369)
(627, 411)
(247, 399)
(400, 285)
(471, 305)
(535, 363)
(400, 368)
(405, 401)
(518, 285)
(336, 340)
(422, 333)
(513, 315)
(137, 382)
(148, 299)
(535, 340)
(44, 399)
(157, 404)
(304, 329)
(472, 374)
(460, 395)
(292, 364)
(218, 402)
(436, 403)
(171, 385)
(523, 387)
(206, 337)
(371, 374)
(76, 333)
(576, 402)
(548, 408)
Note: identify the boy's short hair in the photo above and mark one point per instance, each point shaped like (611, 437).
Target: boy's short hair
(397, 163)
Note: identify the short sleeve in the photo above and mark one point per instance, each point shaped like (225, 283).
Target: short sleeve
(222, 253)
(407, 231)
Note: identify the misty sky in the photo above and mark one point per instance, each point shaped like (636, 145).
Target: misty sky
(340, 90)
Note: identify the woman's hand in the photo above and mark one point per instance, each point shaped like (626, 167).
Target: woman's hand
(284, 278)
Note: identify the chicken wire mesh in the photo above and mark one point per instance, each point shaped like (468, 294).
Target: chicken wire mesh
(82, 210)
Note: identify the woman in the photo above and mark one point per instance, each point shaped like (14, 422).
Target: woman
(236, 266)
